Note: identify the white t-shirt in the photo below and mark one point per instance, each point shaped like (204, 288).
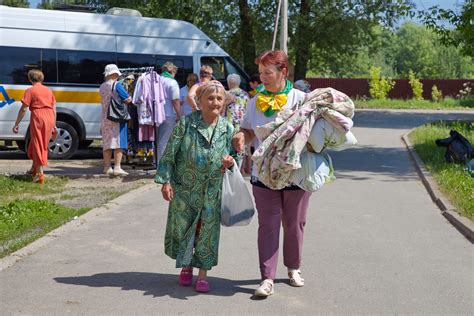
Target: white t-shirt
(171, 88)
(185, 107)
(254, 117)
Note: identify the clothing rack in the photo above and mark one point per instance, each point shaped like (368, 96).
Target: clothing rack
(137, 69)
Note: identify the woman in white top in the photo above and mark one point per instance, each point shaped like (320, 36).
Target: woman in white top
(191, 80)
(286, 207)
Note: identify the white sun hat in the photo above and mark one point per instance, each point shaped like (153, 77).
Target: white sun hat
(111, 69)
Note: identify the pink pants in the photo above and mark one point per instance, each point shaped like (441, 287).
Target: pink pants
(276, 207)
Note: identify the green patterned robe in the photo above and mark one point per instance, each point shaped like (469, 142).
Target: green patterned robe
(192, 164)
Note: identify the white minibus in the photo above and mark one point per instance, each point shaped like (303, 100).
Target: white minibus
(72, 48)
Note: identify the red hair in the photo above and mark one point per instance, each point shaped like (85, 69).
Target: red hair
(277, 58)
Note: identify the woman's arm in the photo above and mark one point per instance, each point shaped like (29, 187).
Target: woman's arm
(177, 108)
(167, 192)
(20, 116)
(122, 93)
(243, 137)
(191, 97)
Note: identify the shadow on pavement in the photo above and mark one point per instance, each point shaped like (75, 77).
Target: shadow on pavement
(390, 162)
(82, 154)
(158, 285)
(405, 119)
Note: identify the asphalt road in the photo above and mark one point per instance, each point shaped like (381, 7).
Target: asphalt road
(375, 244)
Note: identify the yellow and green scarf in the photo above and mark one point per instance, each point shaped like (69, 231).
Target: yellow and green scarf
(269, 103)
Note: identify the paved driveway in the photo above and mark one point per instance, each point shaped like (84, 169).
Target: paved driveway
(375, 244)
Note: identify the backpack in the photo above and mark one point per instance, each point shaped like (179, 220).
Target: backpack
(458, 148)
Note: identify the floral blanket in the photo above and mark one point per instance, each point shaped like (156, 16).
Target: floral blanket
(284, 139)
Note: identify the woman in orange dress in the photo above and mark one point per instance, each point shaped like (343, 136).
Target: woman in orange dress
(42, 104)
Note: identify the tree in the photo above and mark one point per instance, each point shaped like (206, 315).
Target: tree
(463, 33)
(15, 3)
(420, 49)
(414, 50)
(323, 31)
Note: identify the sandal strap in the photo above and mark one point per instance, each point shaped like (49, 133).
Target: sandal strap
(186, 271)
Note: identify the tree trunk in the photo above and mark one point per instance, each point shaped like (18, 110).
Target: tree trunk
(302, 40)
(247, 38)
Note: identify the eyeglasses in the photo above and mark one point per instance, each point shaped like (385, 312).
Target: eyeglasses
(203, 73)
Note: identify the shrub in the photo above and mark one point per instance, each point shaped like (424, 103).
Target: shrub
(465, 92)
(436, 95)
(379, 86)
(416, 86)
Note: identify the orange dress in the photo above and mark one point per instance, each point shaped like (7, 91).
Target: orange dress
(41, 102)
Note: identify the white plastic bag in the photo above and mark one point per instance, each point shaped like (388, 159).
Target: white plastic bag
(315, 171)
(325, 135)
(350, 141)
(237, 206)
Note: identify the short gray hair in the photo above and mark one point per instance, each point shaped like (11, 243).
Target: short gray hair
(235, 78)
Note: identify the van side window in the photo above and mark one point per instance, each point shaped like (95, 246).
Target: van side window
(83, 67)
(184, 64)
(217, 64)
(15, 62)
(49, 65)
(135, 60)
(233, 69)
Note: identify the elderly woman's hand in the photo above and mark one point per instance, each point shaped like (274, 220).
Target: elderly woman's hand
(227, 162)
(238, 141)
(167, 192)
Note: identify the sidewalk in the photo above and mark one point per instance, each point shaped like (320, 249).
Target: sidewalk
(88, 165)
(375, 243)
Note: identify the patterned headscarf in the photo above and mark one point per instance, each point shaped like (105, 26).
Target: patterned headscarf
(210, 86)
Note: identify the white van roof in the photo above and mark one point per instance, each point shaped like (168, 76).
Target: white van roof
(24, 19)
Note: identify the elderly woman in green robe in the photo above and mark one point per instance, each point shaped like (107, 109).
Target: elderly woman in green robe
(191, 171)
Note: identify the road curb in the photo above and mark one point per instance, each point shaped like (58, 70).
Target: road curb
(101, 176)
(463, 225)
(72, 225)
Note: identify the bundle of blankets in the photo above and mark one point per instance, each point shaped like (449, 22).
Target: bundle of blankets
(292, 151)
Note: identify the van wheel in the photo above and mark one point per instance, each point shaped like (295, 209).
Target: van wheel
(65, 146)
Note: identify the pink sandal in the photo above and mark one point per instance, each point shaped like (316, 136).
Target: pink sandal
(186, 276)
(202, 286)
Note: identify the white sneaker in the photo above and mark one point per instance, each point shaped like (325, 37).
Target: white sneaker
(295, 278)
(120, 172)
(265, 289)
(109, 171)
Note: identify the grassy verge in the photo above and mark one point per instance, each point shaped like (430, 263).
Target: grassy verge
(452, 179)
(23, 221)
(26, 212)
(445, 104)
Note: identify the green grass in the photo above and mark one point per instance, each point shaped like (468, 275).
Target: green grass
(452, 179)
(445, 104)
(26, 212)
(21, 186)
(22, 221)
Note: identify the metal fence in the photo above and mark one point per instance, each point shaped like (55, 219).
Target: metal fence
(360, 87)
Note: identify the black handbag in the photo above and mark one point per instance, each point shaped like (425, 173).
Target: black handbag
(458, 148)
(117, 110)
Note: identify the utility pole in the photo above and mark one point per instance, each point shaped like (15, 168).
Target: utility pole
(284, 26)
